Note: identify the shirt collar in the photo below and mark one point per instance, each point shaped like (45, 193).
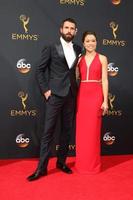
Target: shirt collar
(65, 43)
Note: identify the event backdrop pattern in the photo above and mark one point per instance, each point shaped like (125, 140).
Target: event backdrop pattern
(26, 27)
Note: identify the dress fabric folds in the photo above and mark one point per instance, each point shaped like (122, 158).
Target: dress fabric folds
(88, 117)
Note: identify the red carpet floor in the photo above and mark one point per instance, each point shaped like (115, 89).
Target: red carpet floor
(115, 182)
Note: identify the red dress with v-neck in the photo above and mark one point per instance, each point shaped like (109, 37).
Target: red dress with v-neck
(88, 117)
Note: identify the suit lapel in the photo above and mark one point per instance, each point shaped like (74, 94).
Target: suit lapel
(75, 49)
(76, 53)
(60, 51)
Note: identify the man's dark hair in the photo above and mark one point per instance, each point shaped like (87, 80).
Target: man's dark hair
(68, 20)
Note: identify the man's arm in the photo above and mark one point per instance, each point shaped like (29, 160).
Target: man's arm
(42, 71)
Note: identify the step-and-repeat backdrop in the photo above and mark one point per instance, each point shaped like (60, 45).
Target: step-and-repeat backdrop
(26, 27)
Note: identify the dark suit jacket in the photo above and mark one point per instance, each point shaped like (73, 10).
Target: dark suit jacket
(53, 72)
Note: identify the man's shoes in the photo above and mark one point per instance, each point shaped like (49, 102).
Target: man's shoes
(36, 175)
(63, 167)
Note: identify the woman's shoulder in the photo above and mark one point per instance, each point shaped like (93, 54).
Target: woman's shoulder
(80, 58)
(102, 57)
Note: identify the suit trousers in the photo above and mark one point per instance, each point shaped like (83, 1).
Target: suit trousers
(63, 107)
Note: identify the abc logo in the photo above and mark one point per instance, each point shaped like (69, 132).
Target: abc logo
(22, 67)
(21, 141)
(108, 138)
(116, 2)
(112, 70)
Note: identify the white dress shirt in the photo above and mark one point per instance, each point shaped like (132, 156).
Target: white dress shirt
(68, 51)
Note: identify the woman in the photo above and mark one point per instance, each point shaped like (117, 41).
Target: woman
(92, 103)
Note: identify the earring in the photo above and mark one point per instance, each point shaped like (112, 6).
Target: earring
(83, 50)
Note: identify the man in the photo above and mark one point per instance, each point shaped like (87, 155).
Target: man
(56, 77)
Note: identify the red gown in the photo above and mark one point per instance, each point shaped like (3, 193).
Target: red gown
(88, 117)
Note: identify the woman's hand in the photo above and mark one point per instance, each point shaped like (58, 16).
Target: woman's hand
(104, 107)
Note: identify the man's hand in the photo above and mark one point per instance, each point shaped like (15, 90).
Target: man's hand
(47, 94)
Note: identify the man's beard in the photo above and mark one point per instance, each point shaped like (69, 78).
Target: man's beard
(67, 37)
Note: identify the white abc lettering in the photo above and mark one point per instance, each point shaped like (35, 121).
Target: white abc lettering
(108, 138)
(22, 140)
(111, 68)
(18, 140)
(21, 64)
